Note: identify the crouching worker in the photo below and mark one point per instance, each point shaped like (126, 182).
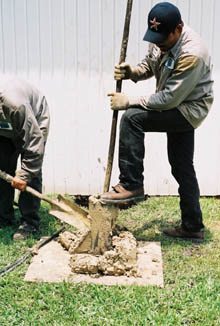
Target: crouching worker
(24, 125)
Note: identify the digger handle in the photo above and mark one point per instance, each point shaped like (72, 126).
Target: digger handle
(113, 132)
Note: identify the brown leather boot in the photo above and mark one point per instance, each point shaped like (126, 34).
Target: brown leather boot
(120, 195)
(179, 232)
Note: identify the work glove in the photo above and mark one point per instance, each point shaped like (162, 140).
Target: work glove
(123, 71)
(119, 101)
(19, 184)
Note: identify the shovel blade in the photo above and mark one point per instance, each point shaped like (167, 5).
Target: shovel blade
(67, 211)
(69, 218)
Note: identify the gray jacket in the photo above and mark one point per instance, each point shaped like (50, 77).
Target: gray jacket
(24, 118)
(183, 77)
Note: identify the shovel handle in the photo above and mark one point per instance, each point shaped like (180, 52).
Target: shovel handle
(8, 178)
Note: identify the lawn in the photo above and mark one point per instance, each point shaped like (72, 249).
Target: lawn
(191, 295)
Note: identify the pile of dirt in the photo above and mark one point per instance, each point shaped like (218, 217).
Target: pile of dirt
(121, 259)
(75, 241)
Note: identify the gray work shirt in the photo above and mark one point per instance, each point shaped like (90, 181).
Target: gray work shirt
(183, 76)
(24, 118)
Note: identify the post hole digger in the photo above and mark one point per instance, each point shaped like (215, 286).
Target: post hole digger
(122, 58)
(119, 196)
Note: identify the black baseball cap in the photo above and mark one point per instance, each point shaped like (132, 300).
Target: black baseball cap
(162, 20)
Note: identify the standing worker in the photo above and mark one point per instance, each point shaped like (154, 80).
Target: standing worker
(24, 125)
(180, 62)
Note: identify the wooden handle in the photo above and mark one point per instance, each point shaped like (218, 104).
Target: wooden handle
(8, 178)
(111, 150)
(37, 194)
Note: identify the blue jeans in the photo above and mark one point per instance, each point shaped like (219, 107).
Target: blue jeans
(180, 146)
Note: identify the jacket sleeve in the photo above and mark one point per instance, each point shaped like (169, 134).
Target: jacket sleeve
(178, 86)
(43, 118)
(142, 71)
(26, 128)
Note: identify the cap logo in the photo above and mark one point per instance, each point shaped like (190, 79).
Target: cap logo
(154, 24)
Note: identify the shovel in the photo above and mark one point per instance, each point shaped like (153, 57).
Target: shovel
(62, 208)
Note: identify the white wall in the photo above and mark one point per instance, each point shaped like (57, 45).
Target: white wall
(68, 49)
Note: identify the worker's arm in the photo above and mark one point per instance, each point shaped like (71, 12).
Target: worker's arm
(178, 86)
(30, 140)
(136, 73)
(32, 147)
(140, 72)
(43, 117)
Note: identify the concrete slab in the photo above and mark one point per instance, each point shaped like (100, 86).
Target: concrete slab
(52, 265)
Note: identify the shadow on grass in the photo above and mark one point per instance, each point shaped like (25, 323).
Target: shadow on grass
(153, 231)
(6, 232)
(48, 226)
(6, 235)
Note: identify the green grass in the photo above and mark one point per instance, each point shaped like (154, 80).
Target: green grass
(191, 295)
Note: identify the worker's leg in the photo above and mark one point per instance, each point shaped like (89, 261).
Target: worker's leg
(29, 205)
(134, 123)
(8, 163)
(180, 153)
